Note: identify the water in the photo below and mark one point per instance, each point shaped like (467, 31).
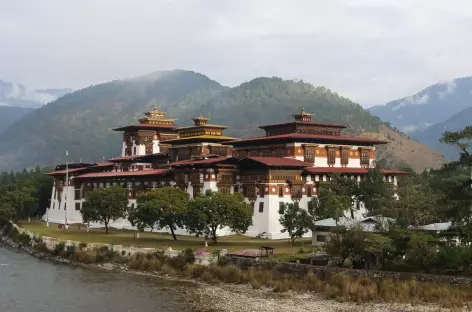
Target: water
(28, 284)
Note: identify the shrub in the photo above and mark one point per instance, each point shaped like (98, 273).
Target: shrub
(82, 245)
(223, 261)
(168, 270)
(177, 262)
(255, 284)
(59, 248)
(86, 256)
(188, 256)
(194, 271)
(24, 239)
(105, 254)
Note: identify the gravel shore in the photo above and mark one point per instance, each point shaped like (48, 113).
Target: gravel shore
(237, 298)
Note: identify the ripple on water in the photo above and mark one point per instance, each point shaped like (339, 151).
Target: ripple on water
(28, 284)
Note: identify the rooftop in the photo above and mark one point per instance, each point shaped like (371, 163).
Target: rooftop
(138, 173)
(307, 137)
(277, 161)
(310, 123)
(314, 170)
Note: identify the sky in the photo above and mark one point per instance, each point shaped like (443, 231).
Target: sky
(371, 51)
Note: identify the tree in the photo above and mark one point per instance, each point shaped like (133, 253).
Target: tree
(345, 188)
(161, 208)
(295, 220)
(373, 191)
(417, 203)
(105, 205)
(7, 213)
(212, 211)
(422, 250)
(329, 204)
(23, 200)
(456, 183)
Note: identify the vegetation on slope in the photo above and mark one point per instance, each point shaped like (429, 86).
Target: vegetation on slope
(81, 122)
(9, 115)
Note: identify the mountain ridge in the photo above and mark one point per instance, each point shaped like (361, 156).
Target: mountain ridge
(433, 104)
(81, 121)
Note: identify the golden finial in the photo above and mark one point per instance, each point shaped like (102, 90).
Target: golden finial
(303, 110)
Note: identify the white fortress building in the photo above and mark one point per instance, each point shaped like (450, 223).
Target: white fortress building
(284, 166)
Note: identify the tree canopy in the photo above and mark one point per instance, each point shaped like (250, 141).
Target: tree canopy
(105, 205)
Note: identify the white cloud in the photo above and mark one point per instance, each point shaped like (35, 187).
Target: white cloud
(381, 50)
(409, 128)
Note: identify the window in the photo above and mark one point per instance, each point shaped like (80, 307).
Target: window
(365, 158)
(262, 190)
(261, 207)
(281, 191)
(65, 206)
(134, 150)
(321, 238)
(281, 205)
(254, 153)
(344, 157)
(224, 190)
(77, 194)
(280, 153)
(266, 153)
(53, 204)
(196, 191)
(331, 156)
(77, 206)
(132, 207)
(310, 154)
(309, 190)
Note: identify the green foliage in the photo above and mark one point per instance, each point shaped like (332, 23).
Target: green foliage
(59, 249)
(373, 192)
(105, 205)
(161, 208)
(332, 201)
(295, 220)
(24, 194)
(82, 121)
(422, 250)
(212, 211)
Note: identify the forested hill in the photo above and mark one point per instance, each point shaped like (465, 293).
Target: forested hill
(81, 122)
(10, 114)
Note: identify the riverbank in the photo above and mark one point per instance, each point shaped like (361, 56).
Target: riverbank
(227, 288)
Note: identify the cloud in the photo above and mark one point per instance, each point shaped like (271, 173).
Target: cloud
(370, 51)
(450, 87)
(409, 128)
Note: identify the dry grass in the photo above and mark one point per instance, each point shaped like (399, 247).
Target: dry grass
(160, 240)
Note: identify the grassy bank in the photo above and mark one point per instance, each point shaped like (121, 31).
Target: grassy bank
(160, 240)
(338, 286)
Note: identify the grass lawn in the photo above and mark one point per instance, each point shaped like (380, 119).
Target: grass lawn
(161, 240)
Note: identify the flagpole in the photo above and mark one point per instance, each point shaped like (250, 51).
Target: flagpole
(67, 190)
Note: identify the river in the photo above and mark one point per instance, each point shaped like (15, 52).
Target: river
(28, 284)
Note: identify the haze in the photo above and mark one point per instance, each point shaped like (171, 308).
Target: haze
(370, 51)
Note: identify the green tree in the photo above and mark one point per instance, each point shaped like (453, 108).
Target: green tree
(295, 220)
(105, 205)
(417, 203)
(329, 203)
(161, 208)
(7, 213)
(422, 251)
(373, 191)
(23, 200)
(213, 210)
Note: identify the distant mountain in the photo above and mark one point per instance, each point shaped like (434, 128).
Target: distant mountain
(433, 105)
(81, 122)
(17, 95)
(9, 115)
(430, 136)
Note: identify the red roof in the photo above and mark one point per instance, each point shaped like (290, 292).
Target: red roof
(314, 170)
(307, 136)
(277, 161)
(197, 162)
(123, 174)
(102, 164)
(313, 123)
(71, 170)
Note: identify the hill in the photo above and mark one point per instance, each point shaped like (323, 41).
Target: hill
(430, 106)
(9, 115)
(430, 136)
(17, 95)
(82, 121)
